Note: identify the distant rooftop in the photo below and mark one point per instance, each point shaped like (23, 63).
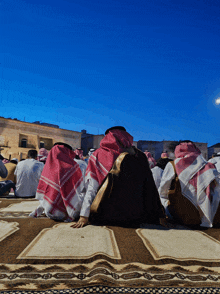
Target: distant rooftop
(46, 124)
(216, 145)
(35, 122)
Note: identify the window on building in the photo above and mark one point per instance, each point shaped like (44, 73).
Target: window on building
(41, 144)
(47, 143)
(24, 143)
(9, 156)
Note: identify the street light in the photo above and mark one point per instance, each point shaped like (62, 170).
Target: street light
(217, 101)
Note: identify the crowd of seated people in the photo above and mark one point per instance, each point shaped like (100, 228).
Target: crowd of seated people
(118, 184)
(68, 187)
(22, 177)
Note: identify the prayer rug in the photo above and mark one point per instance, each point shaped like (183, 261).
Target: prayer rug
(38, 255)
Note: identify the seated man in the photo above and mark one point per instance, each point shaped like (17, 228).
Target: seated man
(28, 173)
(190, 187)
(134, 198)
(3, 169)
(60, 187)
(151, 160)
(4, 186)
(157, 171)
(10, 180)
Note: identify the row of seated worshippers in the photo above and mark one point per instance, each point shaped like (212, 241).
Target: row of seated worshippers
(23, 177)
(158, 167)
(119, 189)
(66, 194)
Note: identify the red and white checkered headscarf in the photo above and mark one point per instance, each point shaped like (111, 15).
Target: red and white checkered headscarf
(42, 155)
(79, 152)
(151, 160)
(195, 175)
(60, 181)
(102, 160)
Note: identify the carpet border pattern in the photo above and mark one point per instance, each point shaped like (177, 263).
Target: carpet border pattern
(105, 289)
(28, 279)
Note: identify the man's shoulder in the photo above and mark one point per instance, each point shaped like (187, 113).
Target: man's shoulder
(156, 168)
(38, 164)
(21, 163)
(30, 162)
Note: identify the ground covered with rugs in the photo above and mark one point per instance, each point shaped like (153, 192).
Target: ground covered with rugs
(40, 255)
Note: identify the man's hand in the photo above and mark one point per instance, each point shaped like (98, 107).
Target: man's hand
(83, 221)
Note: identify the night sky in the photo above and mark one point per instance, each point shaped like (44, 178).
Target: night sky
(151, 66)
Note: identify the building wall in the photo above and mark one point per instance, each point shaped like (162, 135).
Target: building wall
(135, 144)
(96, 140)
(154, 147)
(168, 149)
(212, 150)
(87, 143)
(13, 131)
(90, 141)
(203, 147)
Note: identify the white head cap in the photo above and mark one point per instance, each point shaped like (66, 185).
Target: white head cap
(15, 159)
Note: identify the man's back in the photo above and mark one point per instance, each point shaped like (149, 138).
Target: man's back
(3, 170)
(11, 169)
(28, 173)
(133, 198)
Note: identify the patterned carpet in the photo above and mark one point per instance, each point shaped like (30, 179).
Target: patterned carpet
(44, 256)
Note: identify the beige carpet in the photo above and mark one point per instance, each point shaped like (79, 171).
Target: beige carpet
(24, 206)
(6, 229)
(40, 254)
(61, 241)
(180, 244)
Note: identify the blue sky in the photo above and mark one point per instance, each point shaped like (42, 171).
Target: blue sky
(151, 66)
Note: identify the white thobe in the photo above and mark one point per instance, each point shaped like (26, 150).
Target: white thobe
(91, 190)
(157, 173)
(28, 174)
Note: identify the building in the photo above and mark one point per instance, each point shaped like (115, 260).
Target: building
(89, 141)
(213, 149)
(154, 147)
(157, 147)
(17, 137)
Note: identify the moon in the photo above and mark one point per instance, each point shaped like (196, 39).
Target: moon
(217, 101)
